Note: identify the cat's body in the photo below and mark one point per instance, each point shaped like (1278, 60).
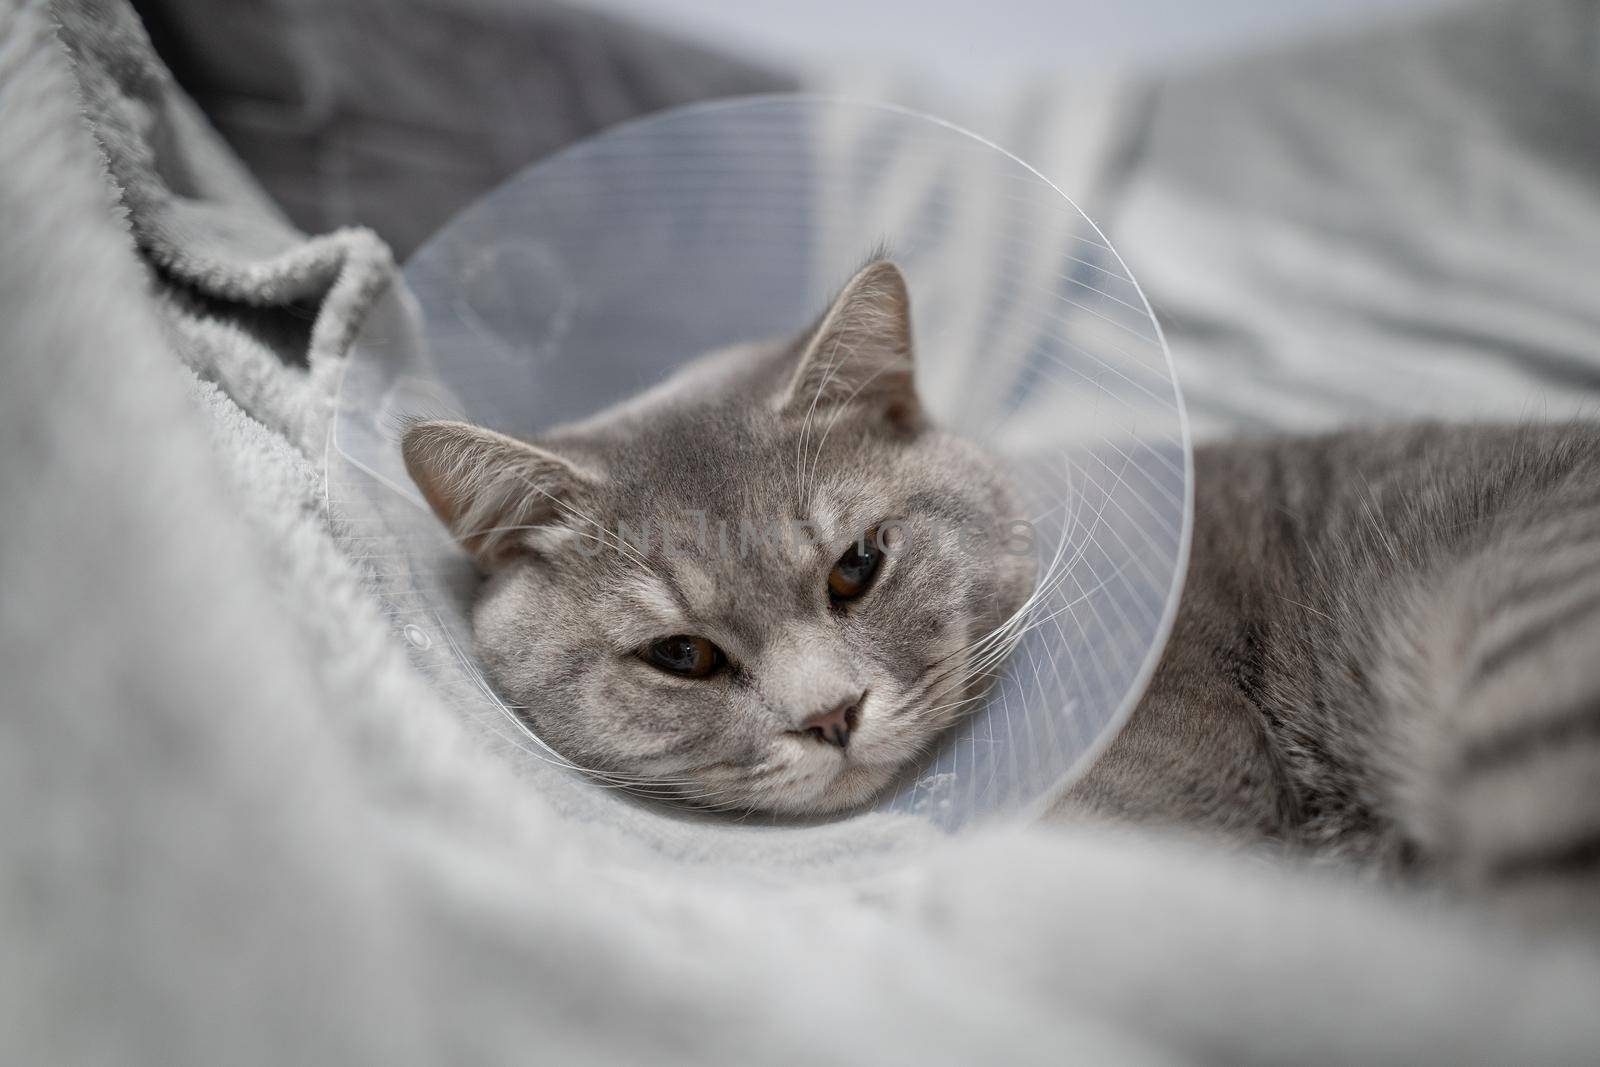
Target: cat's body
(1388, 651)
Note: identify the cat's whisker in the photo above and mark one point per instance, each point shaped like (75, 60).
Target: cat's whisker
(999, 636)
(953, 704)
(993, 650)
(999, 653)
(467, 535)
(604, 536)
(805, 427)
(957, 678)
(999, 643)
(841, 408)
(626, 780)
(800, 446)
(1056, 573)
(719, 801)
(695, 791)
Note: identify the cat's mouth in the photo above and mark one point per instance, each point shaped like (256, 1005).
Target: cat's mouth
(888, 737)
(805, 776)
(831, 774)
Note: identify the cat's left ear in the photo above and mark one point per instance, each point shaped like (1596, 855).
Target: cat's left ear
(489, 489)
(859, 355)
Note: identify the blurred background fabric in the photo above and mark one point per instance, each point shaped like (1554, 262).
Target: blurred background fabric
(978, 50)
(1370, 211)
(326, 103)
(394, 115)
(237, 826)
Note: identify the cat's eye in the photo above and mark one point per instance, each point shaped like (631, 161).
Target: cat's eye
(682, 654)
(854, 572)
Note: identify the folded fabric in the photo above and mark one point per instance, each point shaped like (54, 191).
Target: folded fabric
(362, 112)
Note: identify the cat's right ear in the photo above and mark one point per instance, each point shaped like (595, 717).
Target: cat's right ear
(489, 489)
(859, 356)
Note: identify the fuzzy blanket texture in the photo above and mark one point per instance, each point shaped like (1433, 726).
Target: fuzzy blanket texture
(237, 826)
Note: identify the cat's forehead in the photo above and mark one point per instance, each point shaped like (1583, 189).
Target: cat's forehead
(738, 602)
(740, 461)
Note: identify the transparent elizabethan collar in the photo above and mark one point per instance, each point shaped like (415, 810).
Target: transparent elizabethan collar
(595, 273)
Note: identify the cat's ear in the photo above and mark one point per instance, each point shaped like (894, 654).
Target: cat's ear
(489, 489)
(859, 354)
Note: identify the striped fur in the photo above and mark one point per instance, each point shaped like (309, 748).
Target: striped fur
(1388, 653)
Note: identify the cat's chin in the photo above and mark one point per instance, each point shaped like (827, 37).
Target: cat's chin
(854, 785)
(853, 788)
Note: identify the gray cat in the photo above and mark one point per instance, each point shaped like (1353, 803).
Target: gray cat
(1387, 651)
(726, 590)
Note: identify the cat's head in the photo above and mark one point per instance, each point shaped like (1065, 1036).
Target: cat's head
(766, 584)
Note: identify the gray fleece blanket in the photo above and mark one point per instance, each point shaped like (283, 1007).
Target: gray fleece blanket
(235, 826)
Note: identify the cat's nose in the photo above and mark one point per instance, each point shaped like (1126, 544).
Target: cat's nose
(834, 725)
